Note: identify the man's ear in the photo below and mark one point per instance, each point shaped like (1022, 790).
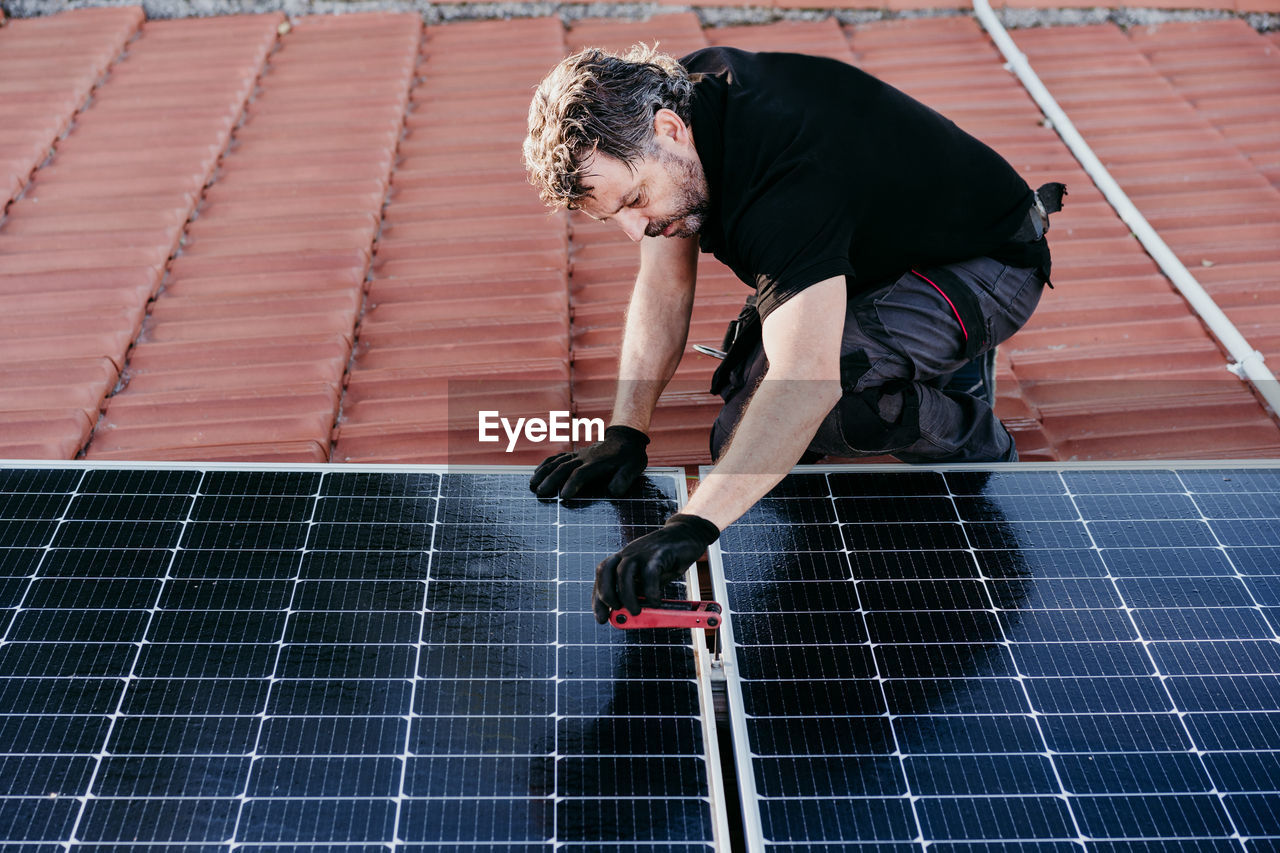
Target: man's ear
(668, 125)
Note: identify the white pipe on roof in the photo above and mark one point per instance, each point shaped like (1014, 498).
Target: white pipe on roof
(1248, 361)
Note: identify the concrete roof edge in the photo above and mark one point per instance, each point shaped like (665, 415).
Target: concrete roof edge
(712, 16)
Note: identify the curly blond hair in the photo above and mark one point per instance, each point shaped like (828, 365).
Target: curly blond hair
(597, 101)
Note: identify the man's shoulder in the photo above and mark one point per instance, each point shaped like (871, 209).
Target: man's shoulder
(711, 60)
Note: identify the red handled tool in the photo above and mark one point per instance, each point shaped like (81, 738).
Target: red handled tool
(670, 614)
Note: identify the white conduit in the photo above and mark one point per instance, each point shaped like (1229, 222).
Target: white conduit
(1248, 361)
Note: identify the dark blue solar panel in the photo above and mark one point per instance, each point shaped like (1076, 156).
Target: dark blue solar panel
(334, 661)
(1020, 660)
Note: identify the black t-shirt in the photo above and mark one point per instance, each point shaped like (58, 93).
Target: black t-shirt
(817, 169)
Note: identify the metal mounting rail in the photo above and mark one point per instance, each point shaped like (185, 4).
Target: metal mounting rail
(1248, 362)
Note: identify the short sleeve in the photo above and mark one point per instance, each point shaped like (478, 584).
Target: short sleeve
(791, 244)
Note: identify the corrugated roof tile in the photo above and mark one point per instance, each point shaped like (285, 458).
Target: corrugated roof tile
(92, 185)
(47, 68)
(368, 86)
(442, 332)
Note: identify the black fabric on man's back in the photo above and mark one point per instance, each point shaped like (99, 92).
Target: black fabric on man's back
(817, 169)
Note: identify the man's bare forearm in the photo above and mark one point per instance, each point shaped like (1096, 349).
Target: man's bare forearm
(774, 432)
(801, 386)
(653, 339)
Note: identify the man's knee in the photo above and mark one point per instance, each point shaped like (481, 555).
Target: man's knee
(880, 419)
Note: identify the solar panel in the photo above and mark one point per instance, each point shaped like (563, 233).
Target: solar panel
(1027, 658)
(273, 659)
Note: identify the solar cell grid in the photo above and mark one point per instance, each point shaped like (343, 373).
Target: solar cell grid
(1065, 658)
(335, 659)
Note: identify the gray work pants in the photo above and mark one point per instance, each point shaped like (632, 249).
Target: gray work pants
(901, 342)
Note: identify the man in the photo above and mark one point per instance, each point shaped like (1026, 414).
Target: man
(886, 247)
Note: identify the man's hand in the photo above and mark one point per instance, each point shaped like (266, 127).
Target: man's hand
(646, 564)
(620, 457)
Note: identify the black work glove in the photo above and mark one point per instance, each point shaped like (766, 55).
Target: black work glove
(620, 456)
(646, 564)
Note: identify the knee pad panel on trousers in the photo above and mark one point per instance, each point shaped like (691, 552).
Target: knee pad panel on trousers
(882, 419)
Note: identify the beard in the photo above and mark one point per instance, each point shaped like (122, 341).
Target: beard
(692, 196)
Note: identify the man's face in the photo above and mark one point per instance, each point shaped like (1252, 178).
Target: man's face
(664, 194)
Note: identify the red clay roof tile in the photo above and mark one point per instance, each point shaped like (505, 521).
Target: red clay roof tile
(473, 284)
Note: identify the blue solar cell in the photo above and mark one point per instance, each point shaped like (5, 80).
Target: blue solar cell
(852, 775)
(1028, 535)
(1112, 732)
(1017, 508)
(1163, 815)
(30, 507)
(1166, 562)
(1264, 589)
(45, 696)
(1235, 731)
(805, 596)
(1255, 814)
(870, 819)
(1128, 482)
(1255, 561)
(1004, 483)
(239, 565)
(191, 697)
(1229, 480)
(253, 626)
(840, 736)
(317, 820)
(39, 480)
(937, 626)
(1247, 532)
(1137, 507)
(45, 775)
(183, 735)
(1057, 626)
(38, 818)
(250, 509)
(27, 534)
(242, 536)
(995, 818)
(1239, 506)
(648, 819)
(204, 776)
(1184, 592)
(70, 626)
(980, 775)
(1081, 659)
(831, 697)
(1132, 773)
(44, 734)
(790, 511)
(923, 595)
(1225, 692)
(943, 660)
(926, 536)
(1151, 534)
(785, 539)
(1210, 623)
(1042, 563)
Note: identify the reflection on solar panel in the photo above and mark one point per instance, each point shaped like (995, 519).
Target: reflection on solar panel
(210, 657)
(1065, 658)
